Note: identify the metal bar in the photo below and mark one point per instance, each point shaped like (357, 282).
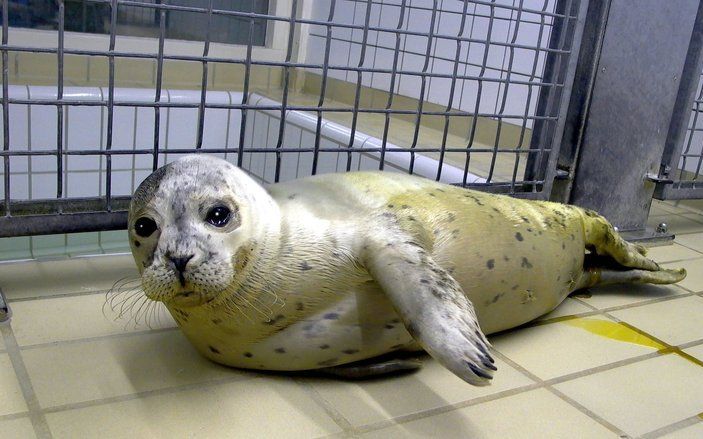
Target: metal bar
(267, 150)
(391, 86)
(33, 225)
(533, 74)
(286, 80)
(245, 96)
(619, 152)
(5, 108)
(268, 107)
(480, 80)
(357, 92)
(452, 87)
(673, 150)
(157, 96)
(110, 106)
(421, 98)
(59, 107)
(505, 93)
(203, 85)
(254, 15)
(323, 88)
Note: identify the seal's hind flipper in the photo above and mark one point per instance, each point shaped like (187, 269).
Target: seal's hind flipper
(370, 368)
(605, 276)
(433, 307)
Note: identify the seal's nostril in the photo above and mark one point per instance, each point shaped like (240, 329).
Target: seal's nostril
(181, 262)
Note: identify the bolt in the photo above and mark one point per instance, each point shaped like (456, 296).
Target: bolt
(662, 228)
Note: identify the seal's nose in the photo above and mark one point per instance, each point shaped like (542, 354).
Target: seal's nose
(180, 263)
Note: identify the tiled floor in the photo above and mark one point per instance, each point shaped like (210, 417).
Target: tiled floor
(630, 364)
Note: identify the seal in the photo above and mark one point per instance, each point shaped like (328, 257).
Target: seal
(327, 271)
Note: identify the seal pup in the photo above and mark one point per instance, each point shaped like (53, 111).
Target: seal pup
(327, 271)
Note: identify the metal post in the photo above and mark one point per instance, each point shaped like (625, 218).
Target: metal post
(643, 53)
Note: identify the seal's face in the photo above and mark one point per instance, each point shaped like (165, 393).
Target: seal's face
(186, 223)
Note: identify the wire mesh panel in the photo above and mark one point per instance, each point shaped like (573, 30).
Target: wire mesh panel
(686, 173)
(98, 93)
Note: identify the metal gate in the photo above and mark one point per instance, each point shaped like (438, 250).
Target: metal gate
(473, 93)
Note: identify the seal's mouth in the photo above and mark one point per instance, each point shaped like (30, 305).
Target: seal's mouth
(190, 298)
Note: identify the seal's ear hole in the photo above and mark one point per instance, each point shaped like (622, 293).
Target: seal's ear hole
(145, 226)
(218, 215)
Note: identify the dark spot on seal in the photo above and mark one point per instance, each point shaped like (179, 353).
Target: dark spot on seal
(424, 281)
(440, 190)
(518, 236)
(455, 233)
(330, 362)
(395, 321)
(529, 230)
(490, 264)
(435, 232)
(411, 218)
(495, 209)
(389, 326)
(405, 206)
(495, 298)
(324, 346)
(216, 321)
(350, 351)
(390, 206)
(431, 194)
(515, 287)
(573, 237)
(299, 306)
(505, 258)
(304, 266)
(137, 243)
(248, 354)
(524, 218)
(292, 197)
(413, 330)
(331, 316)
(280, 350)
(526, 263)
(451, 217)
(214, 350)
(563, 246)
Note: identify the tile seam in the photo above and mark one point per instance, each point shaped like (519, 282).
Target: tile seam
(671, 428)
(13, 416)
(329, 408)
(548, 385)
(144, 394)
(92, 339)
(36, 415)
(380, 425)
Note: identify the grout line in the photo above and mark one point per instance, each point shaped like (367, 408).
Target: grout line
(36, 416)
(680, 425)
(96, 338)
(146, 394)
(14, 416)
(328, 407)
(445, 409)
(548, 385)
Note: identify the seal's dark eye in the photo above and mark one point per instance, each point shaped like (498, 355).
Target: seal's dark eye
(144, 226)
(218, 216)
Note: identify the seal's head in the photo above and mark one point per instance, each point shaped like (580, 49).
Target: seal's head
(192, 226)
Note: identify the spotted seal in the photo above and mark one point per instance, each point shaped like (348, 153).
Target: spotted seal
(326, 271)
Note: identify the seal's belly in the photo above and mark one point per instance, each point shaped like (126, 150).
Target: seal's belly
(515, 259)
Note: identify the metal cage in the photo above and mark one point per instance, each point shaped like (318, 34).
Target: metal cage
(473, 93)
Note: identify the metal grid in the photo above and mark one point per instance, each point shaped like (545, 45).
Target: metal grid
(688, 171)
(540, 69)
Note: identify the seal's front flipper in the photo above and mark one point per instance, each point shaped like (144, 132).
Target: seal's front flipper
(433, 308)
(369, 368)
